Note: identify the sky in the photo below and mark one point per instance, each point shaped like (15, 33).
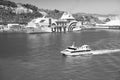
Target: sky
(75, 6)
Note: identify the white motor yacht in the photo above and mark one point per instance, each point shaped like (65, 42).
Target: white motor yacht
(74, 51)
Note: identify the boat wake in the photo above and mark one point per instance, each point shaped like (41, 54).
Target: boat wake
(96, 52)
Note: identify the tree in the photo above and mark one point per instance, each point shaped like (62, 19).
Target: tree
(107, 20)
(8, 3)
(56, 11)
(29, 6)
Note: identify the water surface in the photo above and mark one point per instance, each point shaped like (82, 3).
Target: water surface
(37, 56)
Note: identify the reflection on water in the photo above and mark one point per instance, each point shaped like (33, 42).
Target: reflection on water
(37, 56)
(35, 40)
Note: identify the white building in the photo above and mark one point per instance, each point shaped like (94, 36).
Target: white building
(68, 21)
(67, 16)
(38, 22)
(102, 18)
(12, 24)
(40, 25)
(4, 28)
(115, 21)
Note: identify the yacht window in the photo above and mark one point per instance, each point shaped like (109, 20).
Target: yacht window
(42, 21)
(72, 48)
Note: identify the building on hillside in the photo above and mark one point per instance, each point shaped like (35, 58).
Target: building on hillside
(42, 24)
(15, 27)
(4, 28)
(102, 18)
(61, 25)
(66, 23)
(12, 24)
(67, 16)
(113, 23)
(1, 28)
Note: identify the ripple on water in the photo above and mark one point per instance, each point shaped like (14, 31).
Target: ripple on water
(109, 43)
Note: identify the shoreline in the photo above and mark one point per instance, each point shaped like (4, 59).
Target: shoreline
(24, 31)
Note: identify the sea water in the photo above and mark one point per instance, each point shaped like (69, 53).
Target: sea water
(38, 57)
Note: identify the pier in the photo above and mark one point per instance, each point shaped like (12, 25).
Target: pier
(61, 26)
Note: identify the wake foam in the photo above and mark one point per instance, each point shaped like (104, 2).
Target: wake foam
(95, 52)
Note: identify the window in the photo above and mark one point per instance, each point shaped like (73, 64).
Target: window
(42, 21)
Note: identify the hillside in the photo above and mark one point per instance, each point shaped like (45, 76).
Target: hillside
(11, 12)
(17, 13)
(92, 17)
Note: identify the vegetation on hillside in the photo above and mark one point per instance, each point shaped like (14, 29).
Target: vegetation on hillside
(56, 14)
(29, 6)
(8, 3)
(8, 15)
(91, 18)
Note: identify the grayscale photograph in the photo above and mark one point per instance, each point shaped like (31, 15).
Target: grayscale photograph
(59, 39)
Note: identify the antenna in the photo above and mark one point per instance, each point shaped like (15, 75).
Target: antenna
(73, 44)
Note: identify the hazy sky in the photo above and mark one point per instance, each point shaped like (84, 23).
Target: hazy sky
(73, 6)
